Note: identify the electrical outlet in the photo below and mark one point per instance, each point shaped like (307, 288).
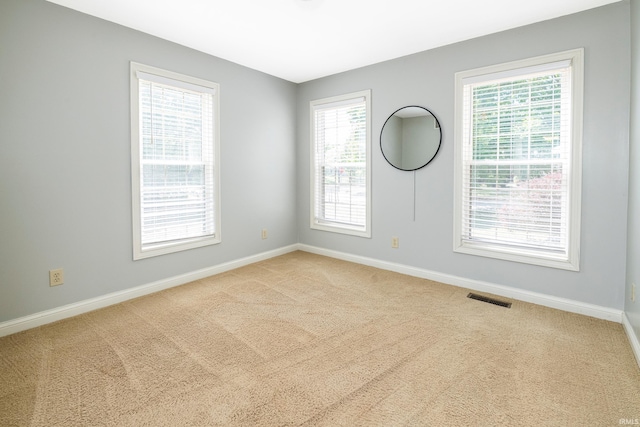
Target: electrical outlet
(395, 242)
(56, 277)
(264, 233)
(633, 292)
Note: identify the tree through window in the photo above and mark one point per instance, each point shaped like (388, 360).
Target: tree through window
(518, 160)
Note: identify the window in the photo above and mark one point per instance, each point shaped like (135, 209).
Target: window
(174, 162)
(340, 164)
(518, 160)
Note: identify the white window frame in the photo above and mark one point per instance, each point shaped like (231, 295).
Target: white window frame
(145, 72)
(318, 223)
(570, 259)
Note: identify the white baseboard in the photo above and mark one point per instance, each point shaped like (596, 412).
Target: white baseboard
(631, 335)
(477, 285)
(48, 316)
(53, 315)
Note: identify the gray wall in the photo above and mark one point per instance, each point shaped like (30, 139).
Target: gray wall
(65, 184)
(633, 236)
(427, 79)
(65, 192)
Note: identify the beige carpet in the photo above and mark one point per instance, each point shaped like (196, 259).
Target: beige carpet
(307, 340)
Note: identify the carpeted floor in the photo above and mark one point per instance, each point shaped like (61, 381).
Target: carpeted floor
(307, 340)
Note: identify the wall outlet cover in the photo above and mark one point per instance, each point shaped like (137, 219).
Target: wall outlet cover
(56, 277)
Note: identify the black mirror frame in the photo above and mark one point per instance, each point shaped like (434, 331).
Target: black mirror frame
(439, 142)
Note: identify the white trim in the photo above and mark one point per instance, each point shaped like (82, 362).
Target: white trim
(70, 310)
(564, 304)
(332, 102)
(554, 59)
(572, 306)
(570, 261)
(631, 335)
(182, 81)
(507, 74)
(139, 71)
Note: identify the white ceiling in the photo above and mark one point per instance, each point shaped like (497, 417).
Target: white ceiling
(301, 40)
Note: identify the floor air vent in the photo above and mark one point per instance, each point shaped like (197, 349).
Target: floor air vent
(489, 300)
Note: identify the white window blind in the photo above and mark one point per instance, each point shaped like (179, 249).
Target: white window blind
(518, 163)
(176, 170)
(340, 164)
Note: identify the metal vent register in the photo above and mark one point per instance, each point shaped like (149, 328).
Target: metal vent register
(489, 300)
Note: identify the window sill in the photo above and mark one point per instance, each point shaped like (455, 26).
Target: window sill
(334, 228)
(167, 248)
(559, 261)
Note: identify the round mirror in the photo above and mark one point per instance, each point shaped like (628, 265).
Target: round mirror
(410, 138)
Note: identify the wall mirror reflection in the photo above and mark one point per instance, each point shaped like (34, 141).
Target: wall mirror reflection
(410, 138)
